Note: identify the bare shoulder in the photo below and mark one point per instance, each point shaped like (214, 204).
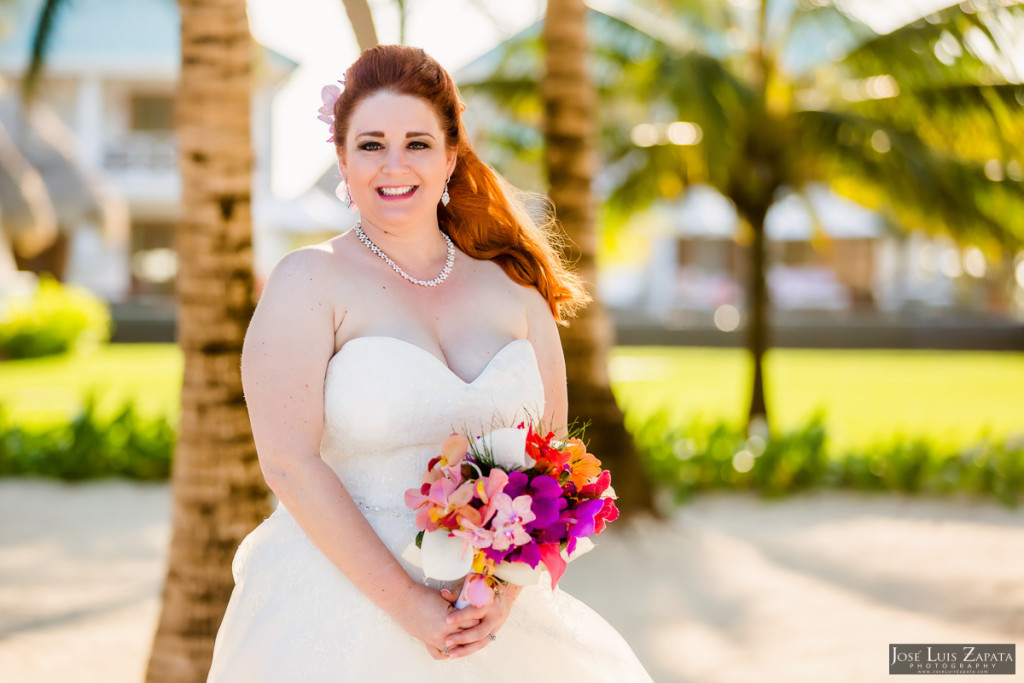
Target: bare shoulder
(296, 313)
(315, 276)
(539, 319)
(542, 331)
(305, 268)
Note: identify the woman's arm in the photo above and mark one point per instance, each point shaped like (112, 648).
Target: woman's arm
(542, 331)
(543, 334)
(284, 361)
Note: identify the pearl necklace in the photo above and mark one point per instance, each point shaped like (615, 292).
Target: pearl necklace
(422, 283)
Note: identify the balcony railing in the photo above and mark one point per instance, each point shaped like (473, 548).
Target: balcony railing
(141, 150)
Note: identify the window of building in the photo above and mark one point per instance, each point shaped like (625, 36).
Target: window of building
(152, 112)
(154, 263)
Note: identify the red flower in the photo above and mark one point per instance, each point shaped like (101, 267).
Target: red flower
(548, 458)
(598, 486)
(608, 513)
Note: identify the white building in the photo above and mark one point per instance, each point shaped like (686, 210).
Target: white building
(827, 253)
(110, 78)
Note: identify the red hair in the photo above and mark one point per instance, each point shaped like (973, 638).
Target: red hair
(484, 217)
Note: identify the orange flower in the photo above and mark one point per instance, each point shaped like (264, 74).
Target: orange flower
(583, 466)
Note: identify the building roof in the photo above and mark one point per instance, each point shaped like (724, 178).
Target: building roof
(704, 212)
(119, 38)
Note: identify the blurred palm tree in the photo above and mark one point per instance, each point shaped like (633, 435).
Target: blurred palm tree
(219, 492)
(361, 19)
(760, 98)
(570, 159)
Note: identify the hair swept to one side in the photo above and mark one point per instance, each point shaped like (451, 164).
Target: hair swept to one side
(485, 217)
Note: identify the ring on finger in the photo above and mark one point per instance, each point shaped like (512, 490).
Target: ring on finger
(444, 651)
(492, 637)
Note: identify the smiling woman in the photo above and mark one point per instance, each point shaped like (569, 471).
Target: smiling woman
(356, 370)
(395, 172)
(401, 147)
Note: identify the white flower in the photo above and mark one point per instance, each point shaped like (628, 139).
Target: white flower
(507, 447)
(445, 557)
(521, 574)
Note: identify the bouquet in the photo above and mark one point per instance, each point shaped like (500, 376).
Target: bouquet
(506, 506)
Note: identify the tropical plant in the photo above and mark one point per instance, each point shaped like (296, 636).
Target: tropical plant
(122, 444)
(698, 456)
(219, 491)
(759, 98)
(570, 159)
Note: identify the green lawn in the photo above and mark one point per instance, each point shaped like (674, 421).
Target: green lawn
(867, 396)
(47, 390)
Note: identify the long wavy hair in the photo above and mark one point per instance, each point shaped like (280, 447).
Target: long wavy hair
(485, 217)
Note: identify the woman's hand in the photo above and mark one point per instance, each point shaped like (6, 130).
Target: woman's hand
(423, 612)
(473, 624)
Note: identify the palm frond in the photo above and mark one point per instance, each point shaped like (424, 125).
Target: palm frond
(803, 35)
(953, 45)
(45, 28)
(501, 88)
(971, 121)
(679, 26)
(647, 175)
(704, 91)
(895, 170)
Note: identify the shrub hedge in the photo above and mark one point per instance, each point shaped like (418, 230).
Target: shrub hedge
(684, 459)
(53, 319)
(124, 445)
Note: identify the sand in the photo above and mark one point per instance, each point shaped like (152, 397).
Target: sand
(733, 588)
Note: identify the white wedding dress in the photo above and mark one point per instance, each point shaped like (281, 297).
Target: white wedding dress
(293, 616)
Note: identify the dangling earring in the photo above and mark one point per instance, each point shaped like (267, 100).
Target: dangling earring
(444, 196)
(345, 196)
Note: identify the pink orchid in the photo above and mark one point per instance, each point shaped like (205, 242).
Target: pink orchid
(416, 499)
(439, 504)
(487, 490)
(329, 94)
(448, 496)
(477, 590)
(509, 517)
(474, 535)
(453, 452)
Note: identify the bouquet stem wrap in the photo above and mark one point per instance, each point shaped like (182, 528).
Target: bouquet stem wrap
(476, 590)
(463, 599)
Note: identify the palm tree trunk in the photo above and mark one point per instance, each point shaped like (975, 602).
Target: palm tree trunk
(361, 18)
(569, 132)
(757, 314)
(219, 493)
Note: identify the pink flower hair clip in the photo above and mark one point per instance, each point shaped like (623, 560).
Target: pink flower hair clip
(329, 94)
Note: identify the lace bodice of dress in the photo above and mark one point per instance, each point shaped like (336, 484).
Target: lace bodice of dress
(389, 404)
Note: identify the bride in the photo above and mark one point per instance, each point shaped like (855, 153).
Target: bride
(437, 313)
